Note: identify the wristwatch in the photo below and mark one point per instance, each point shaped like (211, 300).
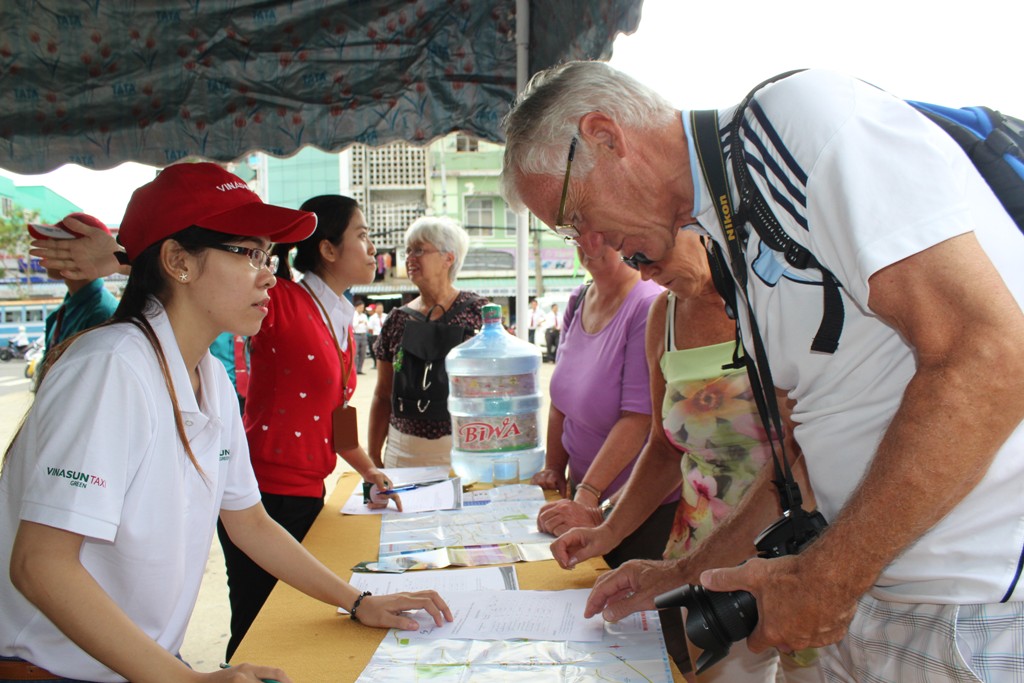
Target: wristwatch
(606, 508)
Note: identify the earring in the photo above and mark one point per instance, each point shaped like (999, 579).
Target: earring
(183, 276)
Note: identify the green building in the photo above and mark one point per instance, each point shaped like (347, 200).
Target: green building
(456, 176)
(39, 199)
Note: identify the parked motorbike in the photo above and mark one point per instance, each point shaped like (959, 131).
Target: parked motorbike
(33, 356)
(15, 350)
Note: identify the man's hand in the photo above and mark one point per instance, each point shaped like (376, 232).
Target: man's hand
(633, 587)
(551, 480)
(559, 516)
(798, 607)
(84, 258)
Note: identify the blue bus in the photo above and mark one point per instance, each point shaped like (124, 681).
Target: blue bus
(28, 313)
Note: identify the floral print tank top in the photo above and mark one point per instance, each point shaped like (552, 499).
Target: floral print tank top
(709, 414)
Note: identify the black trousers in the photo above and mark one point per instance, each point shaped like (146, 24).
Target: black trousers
(248, 585)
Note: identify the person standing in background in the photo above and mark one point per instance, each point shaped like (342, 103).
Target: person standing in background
(303, 375)
(360, 330)
(407, 431)
(374, 324)
(87, 303)
(536, 320)
(553, 333)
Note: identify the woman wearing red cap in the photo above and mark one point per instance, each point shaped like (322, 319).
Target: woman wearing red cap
(108, 513)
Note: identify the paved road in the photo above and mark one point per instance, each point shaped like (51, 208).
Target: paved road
(12, 377)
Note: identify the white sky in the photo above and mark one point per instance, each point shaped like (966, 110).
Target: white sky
(709, 54)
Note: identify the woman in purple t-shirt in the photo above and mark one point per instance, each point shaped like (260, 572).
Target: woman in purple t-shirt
(600, 412)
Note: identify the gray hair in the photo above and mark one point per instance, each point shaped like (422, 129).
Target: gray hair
(547, 113)
(442, 232)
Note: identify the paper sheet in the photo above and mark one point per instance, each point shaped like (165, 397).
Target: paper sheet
(419, 500)
(444, 582)
(506, 615)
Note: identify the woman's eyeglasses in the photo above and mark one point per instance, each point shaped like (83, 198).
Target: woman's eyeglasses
(258, 258)
(419, 251)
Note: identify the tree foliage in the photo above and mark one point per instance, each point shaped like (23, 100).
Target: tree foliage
(14, 239)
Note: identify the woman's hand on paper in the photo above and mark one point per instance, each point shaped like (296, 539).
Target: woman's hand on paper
(388, 611)
(381, 483)
(559, 516)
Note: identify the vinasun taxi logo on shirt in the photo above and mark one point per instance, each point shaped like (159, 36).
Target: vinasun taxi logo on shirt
(76, 478)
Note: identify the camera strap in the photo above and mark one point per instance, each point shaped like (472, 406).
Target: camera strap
(708, 146)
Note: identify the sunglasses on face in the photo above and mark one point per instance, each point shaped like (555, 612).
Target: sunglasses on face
(636, 260)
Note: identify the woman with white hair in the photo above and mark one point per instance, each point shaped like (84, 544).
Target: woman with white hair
(410, 404)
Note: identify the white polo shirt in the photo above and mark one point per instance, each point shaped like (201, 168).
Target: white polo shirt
(863, 181)
(100, 456)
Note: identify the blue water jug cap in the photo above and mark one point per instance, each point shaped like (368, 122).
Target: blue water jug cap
(491, 313)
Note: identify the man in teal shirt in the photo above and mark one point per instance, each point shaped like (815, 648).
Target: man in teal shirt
(87, 303)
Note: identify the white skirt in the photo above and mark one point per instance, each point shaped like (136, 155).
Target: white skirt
(405, 450)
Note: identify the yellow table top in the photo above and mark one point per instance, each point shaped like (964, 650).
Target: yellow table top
(313, 643)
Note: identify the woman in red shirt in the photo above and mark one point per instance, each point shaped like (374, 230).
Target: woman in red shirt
(302, 372)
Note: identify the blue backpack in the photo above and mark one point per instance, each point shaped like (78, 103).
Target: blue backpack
(995, 145)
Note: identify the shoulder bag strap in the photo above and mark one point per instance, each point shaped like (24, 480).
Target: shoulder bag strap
(708, 145)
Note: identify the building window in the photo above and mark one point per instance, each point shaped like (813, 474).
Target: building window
(479, 216)
(6, 206)
(464, 143)
(510, 221)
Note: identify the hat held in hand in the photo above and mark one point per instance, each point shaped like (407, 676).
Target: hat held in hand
(60, 231)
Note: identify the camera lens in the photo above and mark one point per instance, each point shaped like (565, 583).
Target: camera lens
(714, 620)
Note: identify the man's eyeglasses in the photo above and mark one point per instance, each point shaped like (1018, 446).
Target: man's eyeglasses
(257, 257)
(568, 231)
(636, 260)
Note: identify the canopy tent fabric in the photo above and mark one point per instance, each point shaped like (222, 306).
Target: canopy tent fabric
(101, 82)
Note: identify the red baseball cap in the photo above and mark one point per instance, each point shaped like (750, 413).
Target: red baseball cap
(59, 231)
(207, 196)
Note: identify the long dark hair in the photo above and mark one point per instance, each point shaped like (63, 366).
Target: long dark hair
(147, 280)
(333, 214)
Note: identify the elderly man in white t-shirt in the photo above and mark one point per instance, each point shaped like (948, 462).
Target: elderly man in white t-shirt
(911, 430)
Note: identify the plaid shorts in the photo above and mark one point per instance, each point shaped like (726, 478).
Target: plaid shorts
(892, 642)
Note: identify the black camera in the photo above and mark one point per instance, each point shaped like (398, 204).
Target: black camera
(714, 620)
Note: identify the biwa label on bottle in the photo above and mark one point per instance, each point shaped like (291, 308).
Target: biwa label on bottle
(496, 434)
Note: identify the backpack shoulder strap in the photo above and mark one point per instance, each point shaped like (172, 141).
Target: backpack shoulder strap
(753, 209)
(413, 313)
(575, 301)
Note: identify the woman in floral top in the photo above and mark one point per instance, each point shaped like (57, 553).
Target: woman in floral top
(710, 439)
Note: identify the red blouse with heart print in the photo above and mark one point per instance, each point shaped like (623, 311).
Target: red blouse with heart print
(294, 387)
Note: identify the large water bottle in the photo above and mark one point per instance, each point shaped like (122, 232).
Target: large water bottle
(494, 401)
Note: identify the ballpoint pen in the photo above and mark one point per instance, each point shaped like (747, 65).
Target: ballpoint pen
(411, 487)
(265, 680)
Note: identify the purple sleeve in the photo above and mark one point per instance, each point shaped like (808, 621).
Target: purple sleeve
(636, 377)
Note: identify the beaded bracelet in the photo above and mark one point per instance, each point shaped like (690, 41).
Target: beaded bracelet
(355, 605)
(584, 486)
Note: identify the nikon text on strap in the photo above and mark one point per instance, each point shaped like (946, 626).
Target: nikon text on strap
(707, 144)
